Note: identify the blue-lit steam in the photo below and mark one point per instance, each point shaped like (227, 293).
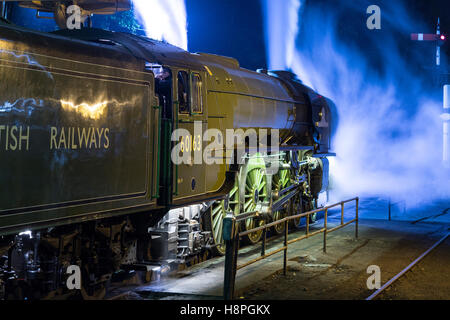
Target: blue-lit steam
(281, 32)
(164, 20)
(389, 139)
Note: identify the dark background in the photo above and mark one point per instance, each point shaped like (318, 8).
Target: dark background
(231, 28)
(236, 28)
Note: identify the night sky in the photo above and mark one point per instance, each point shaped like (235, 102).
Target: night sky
(236, 28)
(231, 28)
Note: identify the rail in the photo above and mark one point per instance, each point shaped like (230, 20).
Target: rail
(409, 267)
(231, 237)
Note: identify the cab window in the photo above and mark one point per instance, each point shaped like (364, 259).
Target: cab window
(183, 92)
(197, 98)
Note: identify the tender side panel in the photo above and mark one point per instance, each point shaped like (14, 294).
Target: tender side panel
(72, 142)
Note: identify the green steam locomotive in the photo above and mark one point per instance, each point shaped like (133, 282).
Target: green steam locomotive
(113, 154)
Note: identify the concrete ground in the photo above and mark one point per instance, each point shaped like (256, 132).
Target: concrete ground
(341, 273)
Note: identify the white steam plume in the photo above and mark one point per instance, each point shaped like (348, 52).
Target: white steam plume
(388, 141)
(164, 20)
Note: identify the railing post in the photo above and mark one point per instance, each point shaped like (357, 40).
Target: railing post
(286, 230)
(231, 237)
(263, 242)
(325, 232)
(342, 213)
(307, 224)
(357, 218)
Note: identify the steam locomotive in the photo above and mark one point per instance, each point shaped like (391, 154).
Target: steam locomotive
(87, 140)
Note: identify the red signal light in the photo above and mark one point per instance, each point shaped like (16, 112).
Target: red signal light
(442, 37)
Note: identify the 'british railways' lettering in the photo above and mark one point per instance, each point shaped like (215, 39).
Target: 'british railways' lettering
(79, 138)
(14, 137)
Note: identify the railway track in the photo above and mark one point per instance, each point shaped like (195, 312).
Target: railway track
(413, 264)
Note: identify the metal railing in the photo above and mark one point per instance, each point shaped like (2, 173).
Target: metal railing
(231, 237)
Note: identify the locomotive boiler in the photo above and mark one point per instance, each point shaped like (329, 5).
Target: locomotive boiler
(89, 121)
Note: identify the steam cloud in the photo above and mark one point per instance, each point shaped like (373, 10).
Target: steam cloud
(389, 138)
(164, 20)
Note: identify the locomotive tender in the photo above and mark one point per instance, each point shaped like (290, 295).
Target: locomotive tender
(86, 142)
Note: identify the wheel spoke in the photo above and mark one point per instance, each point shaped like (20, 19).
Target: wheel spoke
(251, 178)
(247, 205)
(255, 177)
(216, 221)
(233, 191)
(216, 209)
(216, 215)
(219, 216)
(262, 185)
(260, 176)
(215, 235)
